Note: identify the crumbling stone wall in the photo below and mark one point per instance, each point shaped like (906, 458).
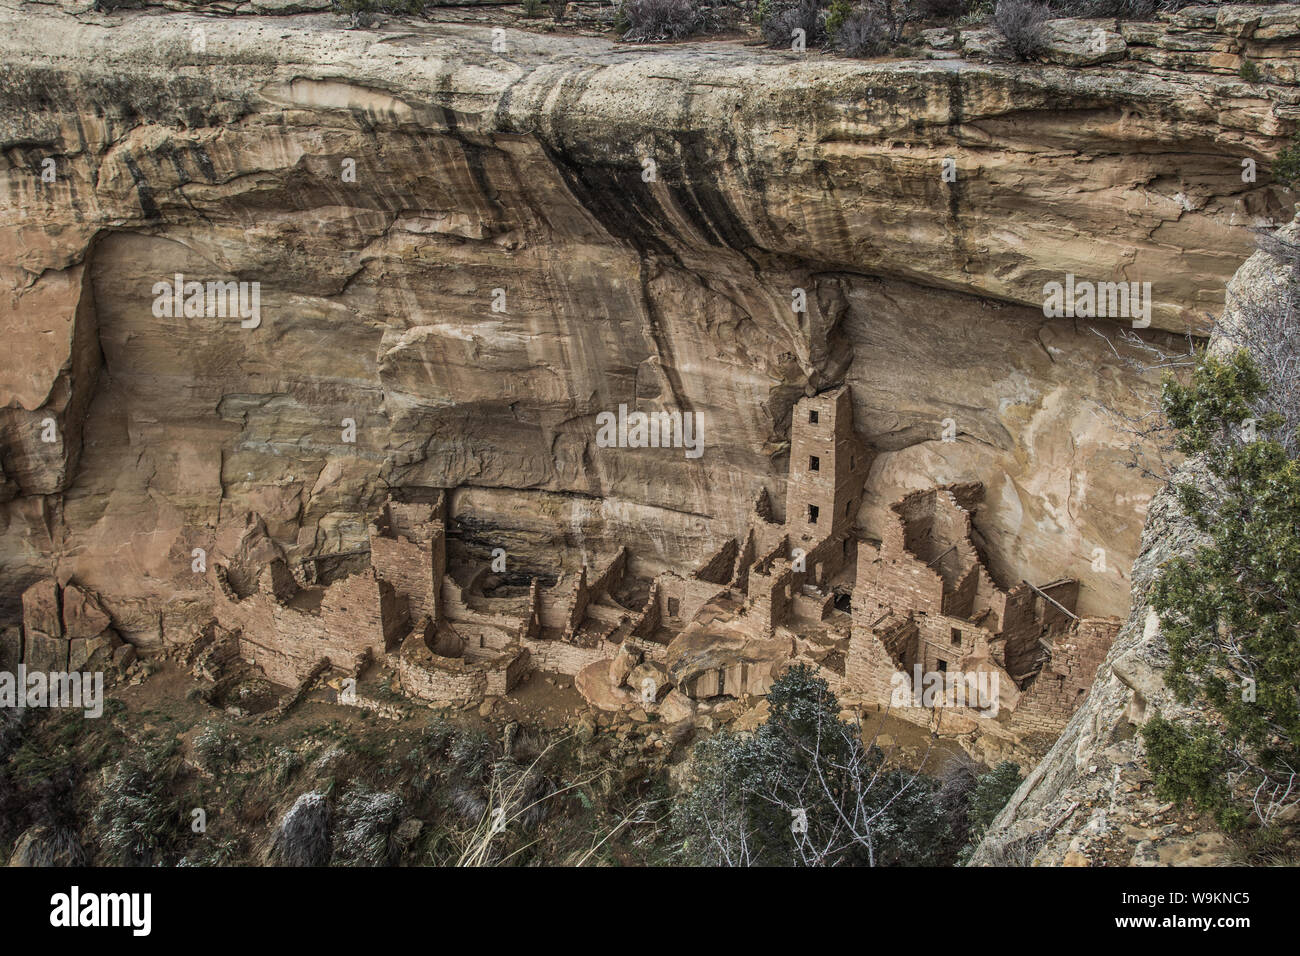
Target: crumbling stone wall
(960, 601)
(770, 596)
(924, 600)
(562, 607)
(718, 569)
(505, 673)
(680, 599)
(898, 580)
(565, 657)
(609, 578)
(1063, 683)
(355, 615)
(408, 549)
(745, 556)
(648, 620)
(871, 663)
(456, 608)
(532, 624)
(826, 558)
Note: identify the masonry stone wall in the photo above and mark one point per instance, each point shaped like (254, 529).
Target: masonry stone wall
(408, 548)
(409, 568)
(680, 599)
(610, 577)
(561, 605)
(1049, 702)
(897, 580)
(649, 619)
(532, 625)
(828, 466)
(456, 608)
(718, 569)
(869, 665)
(924, 600)
(506, 673)
(960, 601)
(565, 657)
(427, 676)
(770, 596)
(745, 556)
(286, 642)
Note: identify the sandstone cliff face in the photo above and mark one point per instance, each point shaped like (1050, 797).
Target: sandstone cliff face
(1090, 800)
(525, 171)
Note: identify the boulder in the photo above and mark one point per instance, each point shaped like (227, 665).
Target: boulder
(594, 684)
(41, 608)
(11, 647)
(45, 653)
(753, 718)
(626, 659)
(92, 651)
(83, 615)
(720, 640)
(649, 681)
(940, 38)
(1081, 43)
(676, 707)
(124, 656)
(984, 44)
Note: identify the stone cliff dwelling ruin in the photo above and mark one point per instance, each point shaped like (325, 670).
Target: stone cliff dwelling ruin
(869, 616)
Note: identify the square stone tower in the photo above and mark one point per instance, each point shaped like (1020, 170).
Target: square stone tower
(828, 466)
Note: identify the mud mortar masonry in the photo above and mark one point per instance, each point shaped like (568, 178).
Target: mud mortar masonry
(869, 616)
(461, 354)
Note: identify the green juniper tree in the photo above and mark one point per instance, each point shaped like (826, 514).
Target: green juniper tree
(1286, 168)
(1230, 610)
(990, 794)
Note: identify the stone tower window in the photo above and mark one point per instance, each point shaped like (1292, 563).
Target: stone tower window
(956, 635)
(812, 418)
(814, 463)
(943, 666)
(813, 511)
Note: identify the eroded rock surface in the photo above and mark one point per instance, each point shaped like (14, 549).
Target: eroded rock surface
(1091, 801)
(525, 171)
